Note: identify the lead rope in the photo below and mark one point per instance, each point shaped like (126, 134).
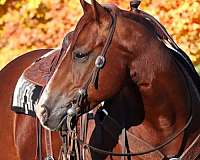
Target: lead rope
(65, 138)
(39, 139)
(82, 135)
(77, 155)
(49, 150)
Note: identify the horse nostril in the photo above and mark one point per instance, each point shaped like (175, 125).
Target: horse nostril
(45, 114)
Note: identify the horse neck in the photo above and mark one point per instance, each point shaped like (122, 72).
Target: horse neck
(161, 83)
(162, 86)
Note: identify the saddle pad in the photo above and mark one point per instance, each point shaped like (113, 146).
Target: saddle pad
(25, 97)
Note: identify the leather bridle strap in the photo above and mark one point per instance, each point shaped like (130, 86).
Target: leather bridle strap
(192, 152)
(39, 139)
(101, 151)
(49, 150)
(70, 148)
(75, 110)
(100, 61)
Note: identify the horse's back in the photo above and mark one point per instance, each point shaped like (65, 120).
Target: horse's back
(8, 79)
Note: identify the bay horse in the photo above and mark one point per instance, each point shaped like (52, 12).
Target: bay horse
(18, 132)
(114, 50)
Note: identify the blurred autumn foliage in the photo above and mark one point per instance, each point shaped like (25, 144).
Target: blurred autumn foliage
(33, 24)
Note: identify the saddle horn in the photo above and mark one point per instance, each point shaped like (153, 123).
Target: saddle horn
(134, 4)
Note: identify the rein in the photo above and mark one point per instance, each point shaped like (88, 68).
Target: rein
(101, 151)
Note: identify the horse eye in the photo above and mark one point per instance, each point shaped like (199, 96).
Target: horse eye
(80, 56)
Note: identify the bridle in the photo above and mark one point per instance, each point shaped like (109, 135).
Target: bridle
(75, 109)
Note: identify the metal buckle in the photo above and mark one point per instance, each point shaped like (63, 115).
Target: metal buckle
(175, 159)
(49, 158)
(82, 92)
(72, 111)
(100, 61)
(104, 111)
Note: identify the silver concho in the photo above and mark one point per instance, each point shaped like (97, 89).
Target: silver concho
(100, 61)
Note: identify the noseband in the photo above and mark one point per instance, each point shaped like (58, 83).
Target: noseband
(75, 109)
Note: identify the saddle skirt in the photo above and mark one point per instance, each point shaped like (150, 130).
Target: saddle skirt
(40, 71)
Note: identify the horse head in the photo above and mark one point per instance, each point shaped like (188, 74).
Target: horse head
(94, 69)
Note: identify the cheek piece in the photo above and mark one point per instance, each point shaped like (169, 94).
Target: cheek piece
(75, 110)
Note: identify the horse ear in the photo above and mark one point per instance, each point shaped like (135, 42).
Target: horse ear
(98, 11)
(86, 6)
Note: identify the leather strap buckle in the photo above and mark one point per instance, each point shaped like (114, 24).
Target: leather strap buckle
(49, 158)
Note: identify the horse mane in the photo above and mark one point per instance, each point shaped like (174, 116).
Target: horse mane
(159, 30)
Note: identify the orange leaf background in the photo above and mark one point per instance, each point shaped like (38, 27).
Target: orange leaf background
(31, 24)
